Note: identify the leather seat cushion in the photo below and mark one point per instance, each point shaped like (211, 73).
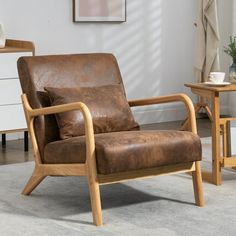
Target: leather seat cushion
(108, 106)
(128, 150)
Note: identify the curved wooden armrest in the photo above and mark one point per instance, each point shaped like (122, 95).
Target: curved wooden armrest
(58, 109)
(31, 113)
(171, 98)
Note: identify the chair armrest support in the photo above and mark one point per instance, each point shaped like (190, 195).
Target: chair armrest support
(89, 132)
(168, 99)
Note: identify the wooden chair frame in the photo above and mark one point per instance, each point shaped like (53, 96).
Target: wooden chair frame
(89, 168)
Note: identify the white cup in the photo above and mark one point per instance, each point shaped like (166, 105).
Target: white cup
(217, 77)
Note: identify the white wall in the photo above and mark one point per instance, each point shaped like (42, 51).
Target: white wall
(154, 47)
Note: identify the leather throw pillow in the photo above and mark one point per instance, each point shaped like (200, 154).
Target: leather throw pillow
(108, 106)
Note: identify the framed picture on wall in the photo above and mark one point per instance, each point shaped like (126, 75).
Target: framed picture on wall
(99, 10)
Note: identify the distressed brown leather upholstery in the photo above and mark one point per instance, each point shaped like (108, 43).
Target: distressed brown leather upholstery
(116, 151)
(77, 70)
(128, 150)
(104, 157)
(107, 104)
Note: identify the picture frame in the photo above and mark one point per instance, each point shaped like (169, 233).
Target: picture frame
(99, 10)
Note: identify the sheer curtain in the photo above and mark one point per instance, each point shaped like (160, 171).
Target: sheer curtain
(208, 39)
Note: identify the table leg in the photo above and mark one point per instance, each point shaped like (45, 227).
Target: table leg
(3, 140)
(228, 148)
(225, 128)
(216, 160)
(26, 142)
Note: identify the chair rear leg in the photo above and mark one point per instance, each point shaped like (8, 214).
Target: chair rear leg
(197, 185)
(95, 198)
(32, 183)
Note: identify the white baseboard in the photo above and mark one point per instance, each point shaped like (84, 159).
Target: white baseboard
(14, 136)
(159, 114)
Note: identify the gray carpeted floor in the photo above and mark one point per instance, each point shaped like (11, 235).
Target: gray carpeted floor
(158, 206)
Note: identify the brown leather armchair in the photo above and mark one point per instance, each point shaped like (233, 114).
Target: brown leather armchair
(80, 124)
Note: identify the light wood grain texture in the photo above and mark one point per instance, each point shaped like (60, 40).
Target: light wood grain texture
(12, 131)
(207, 176)
(146, 173)
(229, 161)
(30, 125)
(203, 93)
(216, 166)
(60, 169)
(92, 169)
(213, 93)
(32, 183)
(89, 168)
(197, 185)
(224, 138)
(14, 46)
(227, 119)
(225, 127)
(204, 87)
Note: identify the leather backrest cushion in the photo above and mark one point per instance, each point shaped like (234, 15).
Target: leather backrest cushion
(108, 106)
(75, 70)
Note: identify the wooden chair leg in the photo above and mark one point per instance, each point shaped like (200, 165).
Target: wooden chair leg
(197, 185)
(32, 183)
(95, 198)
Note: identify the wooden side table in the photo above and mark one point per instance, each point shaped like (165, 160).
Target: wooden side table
(212, 93)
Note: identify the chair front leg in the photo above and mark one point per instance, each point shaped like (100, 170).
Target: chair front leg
(197, 185)
(95, 198)
(32, 183)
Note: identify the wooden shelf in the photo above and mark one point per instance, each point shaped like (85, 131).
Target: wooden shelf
(14, 46)
(14, 49)
(12, 131)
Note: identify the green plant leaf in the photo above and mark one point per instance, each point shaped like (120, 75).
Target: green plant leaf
(231, 47)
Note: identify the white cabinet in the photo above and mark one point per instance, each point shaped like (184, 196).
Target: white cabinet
(12, 117)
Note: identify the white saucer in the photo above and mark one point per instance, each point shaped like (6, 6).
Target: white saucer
(217, 84)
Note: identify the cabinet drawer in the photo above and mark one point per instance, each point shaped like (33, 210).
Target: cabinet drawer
(8, 66)
(10, 91)
(12, 117)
